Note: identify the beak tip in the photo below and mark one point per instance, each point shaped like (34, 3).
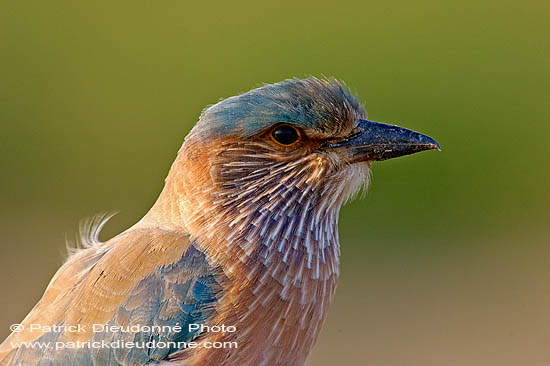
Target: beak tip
(432, 144)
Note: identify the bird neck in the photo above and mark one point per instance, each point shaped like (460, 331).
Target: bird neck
(238, 202)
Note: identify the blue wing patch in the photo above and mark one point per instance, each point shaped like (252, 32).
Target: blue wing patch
(155, 318)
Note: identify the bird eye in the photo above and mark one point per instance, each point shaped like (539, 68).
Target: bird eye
(285, 135)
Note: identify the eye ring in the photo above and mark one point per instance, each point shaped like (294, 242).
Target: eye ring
(285, 135)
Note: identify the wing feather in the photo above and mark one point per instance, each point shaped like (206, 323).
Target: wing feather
(142, 278)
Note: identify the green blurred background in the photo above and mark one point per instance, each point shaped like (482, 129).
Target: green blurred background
(446, 260)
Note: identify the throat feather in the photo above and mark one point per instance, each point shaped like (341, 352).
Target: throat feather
(281, 219)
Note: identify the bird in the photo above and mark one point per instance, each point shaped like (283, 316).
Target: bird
(237, 261)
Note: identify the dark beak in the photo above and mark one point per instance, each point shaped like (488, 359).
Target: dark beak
(379, 141)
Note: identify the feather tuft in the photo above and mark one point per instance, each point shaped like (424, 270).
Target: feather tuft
(88, 232)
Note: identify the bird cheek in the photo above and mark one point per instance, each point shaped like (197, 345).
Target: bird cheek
(341, 158)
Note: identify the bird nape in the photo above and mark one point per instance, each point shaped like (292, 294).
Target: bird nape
(237, 261)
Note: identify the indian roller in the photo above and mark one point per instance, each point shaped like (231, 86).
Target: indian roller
(237, 261)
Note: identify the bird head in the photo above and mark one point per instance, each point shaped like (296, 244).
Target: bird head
(300, 146)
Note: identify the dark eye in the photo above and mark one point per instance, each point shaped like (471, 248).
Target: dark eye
(285, 135)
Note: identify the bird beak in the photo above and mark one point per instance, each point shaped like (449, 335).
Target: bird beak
(379, 141)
